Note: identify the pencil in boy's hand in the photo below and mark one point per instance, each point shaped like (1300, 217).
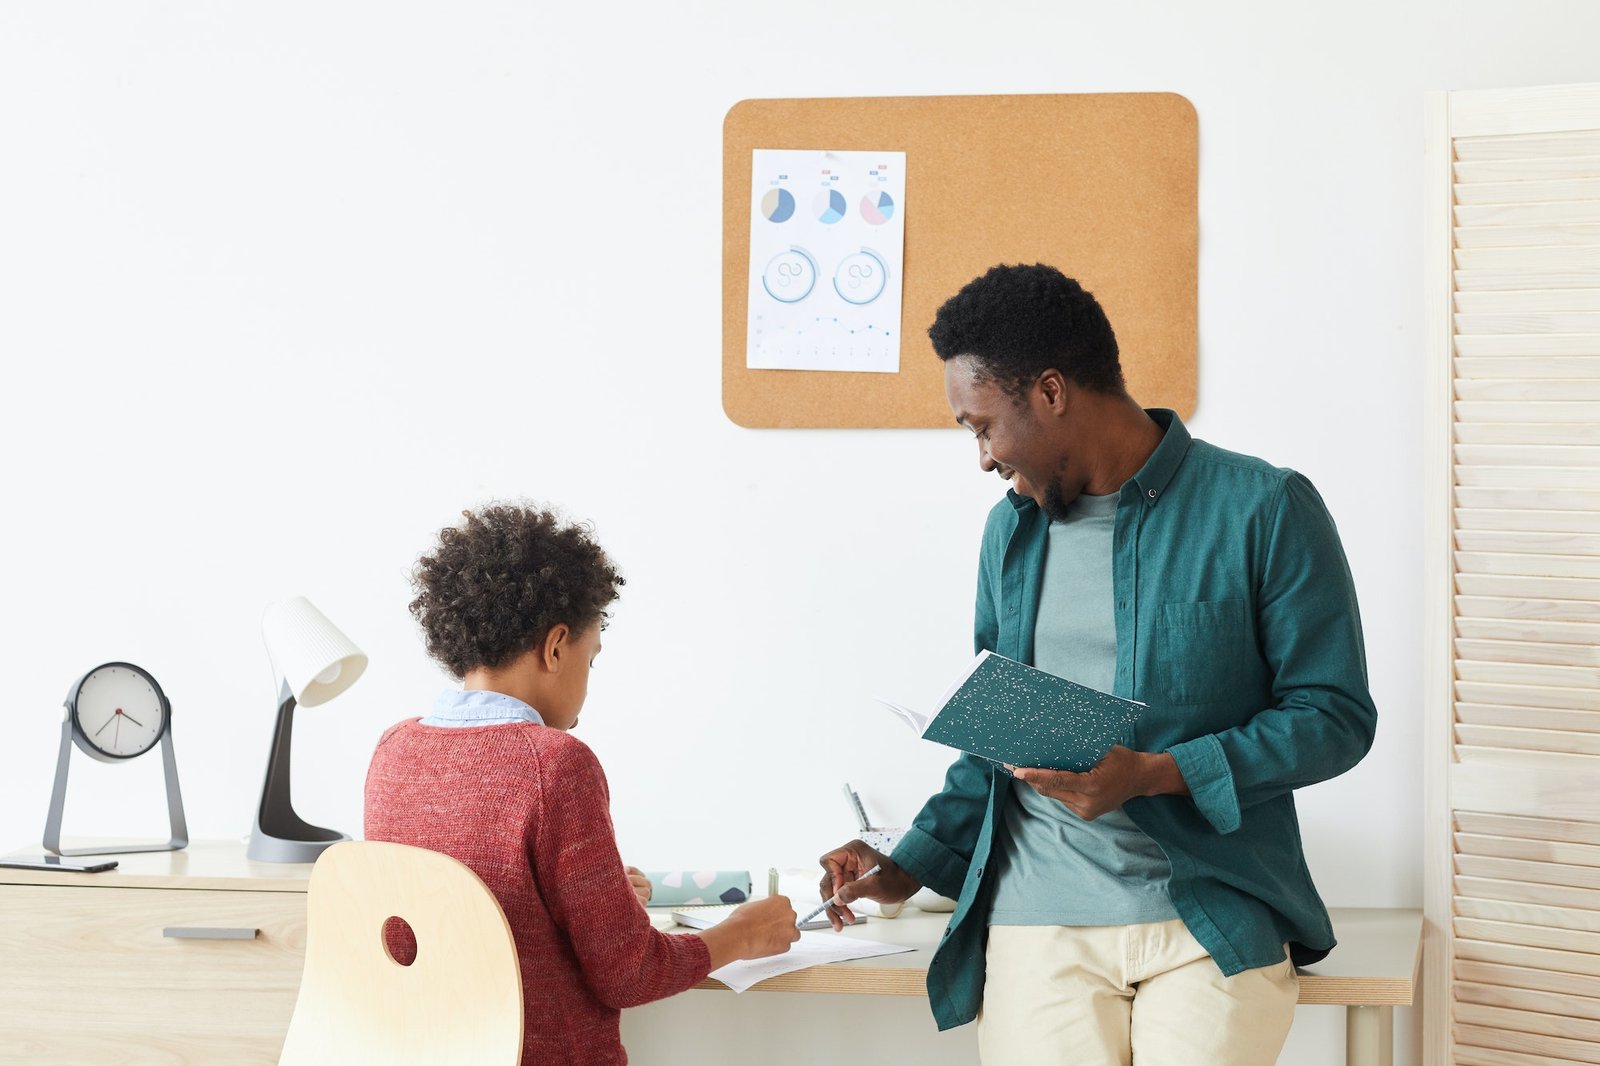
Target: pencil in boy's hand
(833, 901)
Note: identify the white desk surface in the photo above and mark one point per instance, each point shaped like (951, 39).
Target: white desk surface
(1375, 963)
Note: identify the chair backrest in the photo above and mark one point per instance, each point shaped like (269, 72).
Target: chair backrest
(459, 1000)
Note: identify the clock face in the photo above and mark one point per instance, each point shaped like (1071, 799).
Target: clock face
(120, 710)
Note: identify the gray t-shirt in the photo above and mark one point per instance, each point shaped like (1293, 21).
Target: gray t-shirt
(1054, 867)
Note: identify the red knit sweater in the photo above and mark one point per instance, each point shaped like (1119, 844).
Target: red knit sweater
(526, 807)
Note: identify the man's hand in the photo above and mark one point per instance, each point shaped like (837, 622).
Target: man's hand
(641, 885)
(843, 866)
(1115, 779)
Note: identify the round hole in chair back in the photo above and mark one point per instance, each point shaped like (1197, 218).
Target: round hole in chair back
(399, 942)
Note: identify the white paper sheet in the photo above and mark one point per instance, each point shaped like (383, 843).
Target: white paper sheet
(827, 245)
(813, 949)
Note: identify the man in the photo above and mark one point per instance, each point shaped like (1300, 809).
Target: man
(1152, 909)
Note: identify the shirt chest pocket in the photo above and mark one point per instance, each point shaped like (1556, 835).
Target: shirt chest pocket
(1204, 650)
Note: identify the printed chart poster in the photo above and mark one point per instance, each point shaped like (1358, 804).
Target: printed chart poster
(827, 243)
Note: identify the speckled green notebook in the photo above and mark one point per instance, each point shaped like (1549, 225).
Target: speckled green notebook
(1014, 713)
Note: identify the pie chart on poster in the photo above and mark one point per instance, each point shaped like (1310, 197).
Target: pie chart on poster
(830, 206)
(778, 205)
(877, 209)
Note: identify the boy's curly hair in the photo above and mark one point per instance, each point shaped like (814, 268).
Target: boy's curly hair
(496, 585)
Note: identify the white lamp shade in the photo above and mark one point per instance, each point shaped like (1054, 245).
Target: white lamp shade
(309, 652)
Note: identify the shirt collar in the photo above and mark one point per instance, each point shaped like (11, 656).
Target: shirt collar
(1158, 470)
(470, 705)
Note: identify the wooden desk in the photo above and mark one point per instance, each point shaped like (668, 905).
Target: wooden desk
(88, 972)
(1373, 970)
(173, 957)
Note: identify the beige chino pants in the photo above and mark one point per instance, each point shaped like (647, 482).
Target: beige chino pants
(1127, 995)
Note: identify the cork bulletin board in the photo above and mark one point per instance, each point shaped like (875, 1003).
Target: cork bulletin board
(1103, 186)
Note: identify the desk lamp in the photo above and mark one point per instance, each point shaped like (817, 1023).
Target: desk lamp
(312, 662)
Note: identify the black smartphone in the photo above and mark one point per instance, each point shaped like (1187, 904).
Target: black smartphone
(57, 862)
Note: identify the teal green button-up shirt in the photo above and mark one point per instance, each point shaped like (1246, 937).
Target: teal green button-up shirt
(1237, 624)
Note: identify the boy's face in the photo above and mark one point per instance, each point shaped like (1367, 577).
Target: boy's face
(570, 684)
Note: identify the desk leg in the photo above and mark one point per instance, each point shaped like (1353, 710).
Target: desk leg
(1369, 1036)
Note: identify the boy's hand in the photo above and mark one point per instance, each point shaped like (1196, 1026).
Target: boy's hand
(757, 929)
(841, 868)
(641, 885)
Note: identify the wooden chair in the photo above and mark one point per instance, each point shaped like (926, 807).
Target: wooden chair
(460, 1000)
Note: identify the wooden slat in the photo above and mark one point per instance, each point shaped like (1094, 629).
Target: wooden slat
(1513, 455)
(1554, 1048)
(1585, 322)
(1543, 477)
(1528, 192)
(1559, 390)
(1529, 674)
(1530, 500)
(1534, 214)
(1574, 699)
(1525, 563)
(1577, 986)
(1560, 918)
(1463, 1055)
(1561, 1025)
(1541, 169)
(1524, 999)
(1523, 301)
(1490, 736)
(1548, 588)
(1527, 651)
(1534, 764)
(1575, 962)
(1489, 823)
(1530, 630)
(1571, 257)
(1470, 368)
(1554, 852)
(1524, 542)
(1531, 521)
(1471, 149)
(1521, 280)
(1531, 411)
(1529, 892)
(1525, 344)
(1528, 936)
(1566, 433)
(1542, 610)
(1525, 236)
(1539, 718)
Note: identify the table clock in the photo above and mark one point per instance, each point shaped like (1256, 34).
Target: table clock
(115, 713)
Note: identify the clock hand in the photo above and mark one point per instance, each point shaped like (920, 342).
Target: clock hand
(103, 725)
(132, 719)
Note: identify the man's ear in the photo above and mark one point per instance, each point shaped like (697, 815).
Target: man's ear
(1054, 392)
(556, 648)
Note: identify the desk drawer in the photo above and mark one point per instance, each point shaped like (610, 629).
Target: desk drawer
(87, 976)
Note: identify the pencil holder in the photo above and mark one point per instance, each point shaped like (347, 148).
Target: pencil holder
(677, 888)
(882, 838)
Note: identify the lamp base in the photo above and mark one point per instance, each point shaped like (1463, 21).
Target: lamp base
(267, 848)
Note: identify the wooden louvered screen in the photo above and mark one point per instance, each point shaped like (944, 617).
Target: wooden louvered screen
(1512, 681)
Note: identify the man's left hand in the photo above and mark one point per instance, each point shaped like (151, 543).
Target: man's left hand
(1114, 780)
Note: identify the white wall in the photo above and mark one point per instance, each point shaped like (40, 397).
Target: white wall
(283, 287)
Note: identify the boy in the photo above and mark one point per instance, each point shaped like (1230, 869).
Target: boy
(513, 602)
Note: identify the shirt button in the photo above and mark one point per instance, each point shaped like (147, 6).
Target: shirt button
(1152, 494)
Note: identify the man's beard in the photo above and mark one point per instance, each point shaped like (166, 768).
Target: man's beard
(1056, 505)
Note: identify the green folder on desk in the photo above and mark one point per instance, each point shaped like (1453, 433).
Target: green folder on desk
(1013, 713)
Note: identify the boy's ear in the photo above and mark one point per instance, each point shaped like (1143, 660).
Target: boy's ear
(555, 647)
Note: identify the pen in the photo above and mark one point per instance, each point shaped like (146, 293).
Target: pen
(855, 806)
(835, 900)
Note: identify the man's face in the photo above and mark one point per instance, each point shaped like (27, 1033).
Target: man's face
(1017, 439)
